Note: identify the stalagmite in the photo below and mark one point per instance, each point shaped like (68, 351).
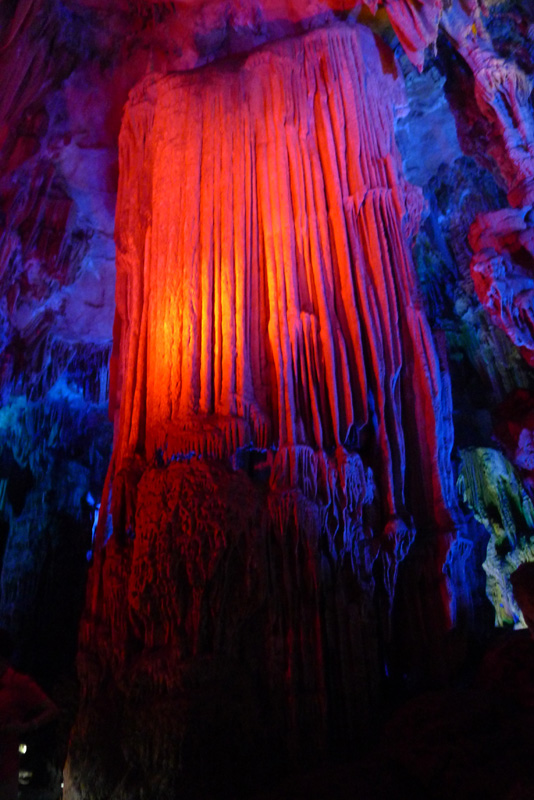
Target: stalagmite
(281, 443)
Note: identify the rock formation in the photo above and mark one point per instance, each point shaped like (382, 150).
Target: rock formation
(503, 261)
(272, 371)
(279, 549)
(492, 488)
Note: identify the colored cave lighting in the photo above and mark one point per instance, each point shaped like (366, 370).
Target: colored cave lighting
(493, 489)
(279, 538)
(267, 317)
(263, 275)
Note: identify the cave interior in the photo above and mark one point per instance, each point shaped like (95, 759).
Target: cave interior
(267, 395)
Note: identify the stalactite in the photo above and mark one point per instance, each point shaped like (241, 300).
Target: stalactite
(267, 315)
(274, 251)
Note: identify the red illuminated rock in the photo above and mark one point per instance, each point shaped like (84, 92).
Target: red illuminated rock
(281, 416)
(262, 274)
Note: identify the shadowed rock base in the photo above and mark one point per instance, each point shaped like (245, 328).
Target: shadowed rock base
(231, 640)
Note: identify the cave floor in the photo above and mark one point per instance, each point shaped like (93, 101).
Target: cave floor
(468, 742)
(472, 741)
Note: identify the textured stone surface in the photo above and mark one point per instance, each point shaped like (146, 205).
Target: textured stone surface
(66, 68)
(279, 286)
(493, 97)
(262, 271)
(503, 274)
(199, 31)
(494, 491)
(500, 90)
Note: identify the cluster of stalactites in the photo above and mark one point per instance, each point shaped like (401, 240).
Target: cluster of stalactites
(265, 291)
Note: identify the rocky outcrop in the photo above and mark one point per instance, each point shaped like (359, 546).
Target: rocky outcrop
(186, 35)
(503, 273)
(501, 92)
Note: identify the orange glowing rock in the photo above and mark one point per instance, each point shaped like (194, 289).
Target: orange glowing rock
(267, 316)
(265, 290)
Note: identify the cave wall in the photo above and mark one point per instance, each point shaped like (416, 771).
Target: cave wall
(311, 476)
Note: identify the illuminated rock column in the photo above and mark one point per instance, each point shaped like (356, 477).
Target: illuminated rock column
(265, 292)
(282, 420)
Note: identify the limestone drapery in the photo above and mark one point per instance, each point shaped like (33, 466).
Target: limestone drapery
(265, 291)
(267, 317)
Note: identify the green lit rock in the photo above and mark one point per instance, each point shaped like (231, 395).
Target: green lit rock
(493, 490)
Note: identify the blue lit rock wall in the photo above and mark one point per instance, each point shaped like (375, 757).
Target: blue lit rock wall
(488, 369)
(56, 286)
(54, 454)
